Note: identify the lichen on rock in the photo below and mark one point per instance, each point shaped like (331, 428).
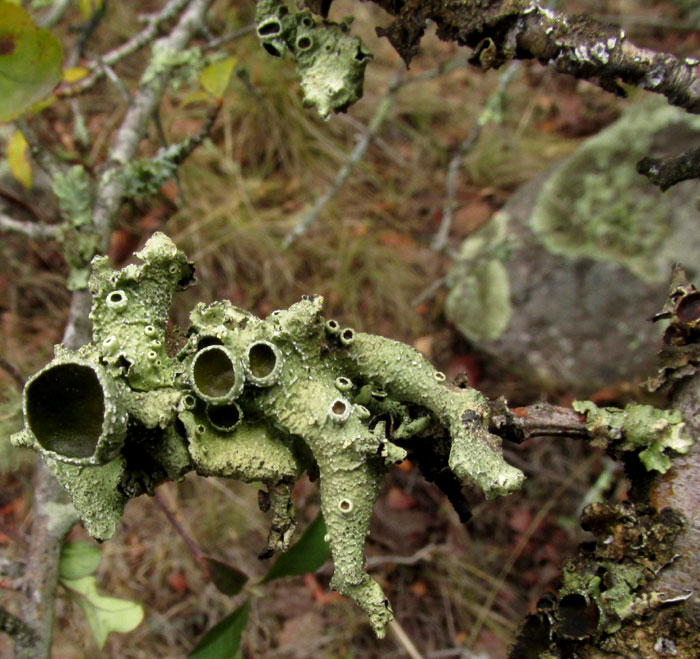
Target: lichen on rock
(330, 61)
(246, 398)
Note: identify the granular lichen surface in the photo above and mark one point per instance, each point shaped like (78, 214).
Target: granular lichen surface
(258, 400)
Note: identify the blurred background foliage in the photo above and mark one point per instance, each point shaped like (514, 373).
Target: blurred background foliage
(457, 590)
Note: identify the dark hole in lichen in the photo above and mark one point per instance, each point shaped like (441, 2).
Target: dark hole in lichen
(213, 372)
(187, 277)
(689, 308)
(389, 423)
(348, 334)
(65, 410)
(339, 407)
(308, 22)
(207, 341)
(328, 48)
(223, 417)
(675, 336)
(272, 50)
(361, 56)
(270, 28)
(304, 43)
(262, 360)
(115, 297)
(124, 364)
(345, 505)
(282, 11)
(577, 618)
(533, 638)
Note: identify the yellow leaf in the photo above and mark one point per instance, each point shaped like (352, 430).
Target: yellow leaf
(74, 74)
(17, 157)
(89, 7)
(196, 96)
(216, 76)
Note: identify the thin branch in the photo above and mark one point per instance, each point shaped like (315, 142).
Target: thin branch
(44, 157)
(235, 35)
(191, 545)
(32, 230)
(490, 113)
(133, 128)
(147, 35)
(577, 45)
(666, 172)
(54, 13)
(375, 124)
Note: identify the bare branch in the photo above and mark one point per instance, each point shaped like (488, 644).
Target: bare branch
(31, 230)
(133, 128)
(500, 30)
(666, 172)
(99, 68)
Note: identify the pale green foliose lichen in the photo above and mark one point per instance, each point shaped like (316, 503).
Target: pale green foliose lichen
(595, 205)
(642, 428)
(245, 398)
(479, 298)
(330, 61)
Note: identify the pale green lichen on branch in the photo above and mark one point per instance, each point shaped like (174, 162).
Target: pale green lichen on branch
(330, 61)
(245, 398)
(642, 428)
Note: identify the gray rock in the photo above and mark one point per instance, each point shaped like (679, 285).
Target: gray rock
(560, 284)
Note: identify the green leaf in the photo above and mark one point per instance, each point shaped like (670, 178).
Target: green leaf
(104, 614)
(216, 76)
(227, 579)
(18, 160)
(223, 640)
(30, 62)
(78, 559)
(305, 556)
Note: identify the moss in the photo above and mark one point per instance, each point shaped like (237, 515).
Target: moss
(641, 428)
(256, 400)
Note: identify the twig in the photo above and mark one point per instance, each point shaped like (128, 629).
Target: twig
(404, 640)
(217, 42)
(13, 372)
(54, 13)
(138, 41)
(577, 45)
(380, 115)
(422, 554)
(490, 113)
(666, 172)
(515, 553)
(133, 128)
(32, 230)
(44, 157)
(191, 545)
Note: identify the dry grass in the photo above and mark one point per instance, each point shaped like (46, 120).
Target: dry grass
(367, 254)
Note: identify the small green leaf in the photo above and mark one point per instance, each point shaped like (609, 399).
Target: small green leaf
(104, 614)
(78, 559)
(223, 640)
(227, 579)
(30, 62)
(18, 160)
(305, 556)
(216, 76)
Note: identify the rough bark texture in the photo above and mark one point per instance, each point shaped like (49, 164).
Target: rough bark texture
(499, 30)
(666, 172)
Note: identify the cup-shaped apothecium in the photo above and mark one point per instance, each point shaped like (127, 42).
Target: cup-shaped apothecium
(74, 413)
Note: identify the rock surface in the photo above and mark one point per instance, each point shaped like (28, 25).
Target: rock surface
(560, 284)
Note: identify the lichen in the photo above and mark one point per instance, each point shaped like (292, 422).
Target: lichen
(479, 298)
(596, 206)
(330, 61)
(641, 428)
(246, 398)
